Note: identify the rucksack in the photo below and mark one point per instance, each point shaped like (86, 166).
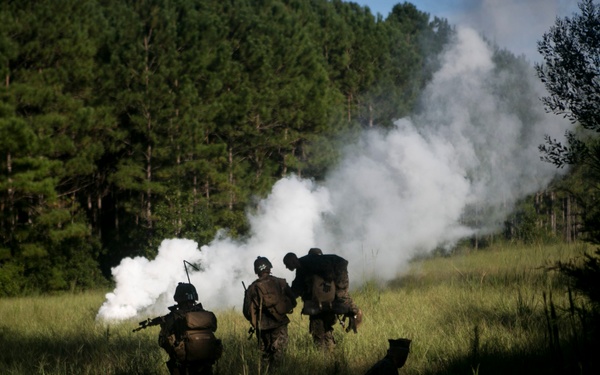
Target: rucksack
(322, 296)
(270, 292)
(274, 299)
(196, 340)
(323, 292)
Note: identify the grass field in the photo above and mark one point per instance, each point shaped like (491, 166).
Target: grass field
(493, 311)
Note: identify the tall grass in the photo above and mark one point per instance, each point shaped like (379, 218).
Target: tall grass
(493, 311)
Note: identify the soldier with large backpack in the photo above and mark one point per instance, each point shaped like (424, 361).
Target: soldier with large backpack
(322, 283)
(187, 335)
(267, 301)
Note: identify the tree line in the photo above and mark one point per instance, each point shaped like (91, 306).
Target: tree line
(126, 122)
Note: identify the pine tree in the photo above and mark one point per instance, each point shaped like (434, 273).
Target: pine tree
(49, 148)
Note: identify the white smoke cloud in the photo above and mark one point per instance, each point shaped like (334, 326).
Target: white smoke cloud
(396, 194)
(514, 24)
(286, 220)
(142, 283)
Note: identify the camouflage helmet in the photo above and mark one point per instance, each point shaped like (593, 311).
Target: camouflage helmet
(185, 292)
(262, 264)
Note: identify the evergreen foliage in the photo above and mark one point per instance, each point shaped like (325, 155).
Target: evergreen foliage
(126, 122)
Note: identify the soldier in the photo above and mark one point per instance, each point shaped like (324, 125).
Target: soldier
(321, 325)
(187, 335)
(322, 283)
(395, 358)
(267, 301)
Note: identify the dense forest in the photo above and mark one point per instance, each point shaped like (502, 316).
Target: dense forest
(126, 122)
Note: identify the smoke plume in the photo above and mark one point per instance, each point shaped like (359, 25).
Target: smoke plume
(397, 194)
(515, 24)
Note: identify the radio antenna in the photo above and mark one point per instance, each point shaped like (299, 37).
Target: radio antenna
(185, 264)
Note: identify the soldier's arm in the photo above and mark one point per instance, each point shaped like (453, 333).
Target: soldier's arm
(166, 329)
(247, 304)
(253, 319)
(289, 293)
(214, 328)
(297, 287)
(249, 308)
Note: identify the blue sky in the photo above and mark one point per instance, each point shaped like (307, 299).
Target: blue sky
(516, 25)
(434, 7)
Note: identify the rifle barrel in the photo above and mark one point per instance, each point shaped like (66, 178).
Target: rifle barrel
(149, 323)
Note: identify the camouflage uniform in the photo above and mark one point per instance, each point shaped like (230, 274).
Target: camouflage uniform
(342, 282)
(320, 327)
(168, 337)
(273, 343)
(271, 326)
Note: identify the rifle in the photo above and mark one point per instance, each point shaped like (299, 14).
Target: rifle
(149, 323)
(153, 322)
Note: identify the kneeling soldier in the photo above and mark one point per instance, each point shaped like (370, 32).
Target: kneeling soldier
(187, 335)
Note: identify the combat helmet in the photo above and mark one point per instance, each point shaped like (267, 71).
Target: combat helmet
(262, 264)
(185, 292)
(399, 349)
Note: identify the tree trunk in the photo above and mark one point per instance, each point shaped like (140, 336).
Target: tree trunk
(231, 193)
(552, 213)
(11, 193)
(349, 107)
(148, 116)
(567, 218)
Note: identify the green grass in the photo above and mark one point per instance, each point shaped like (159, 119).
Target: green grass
(480, 312)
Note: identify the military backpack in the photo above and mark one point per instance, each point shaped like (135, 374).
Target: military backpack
(196, 340)
(323, 291)
(322, 296)
(272, 298)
